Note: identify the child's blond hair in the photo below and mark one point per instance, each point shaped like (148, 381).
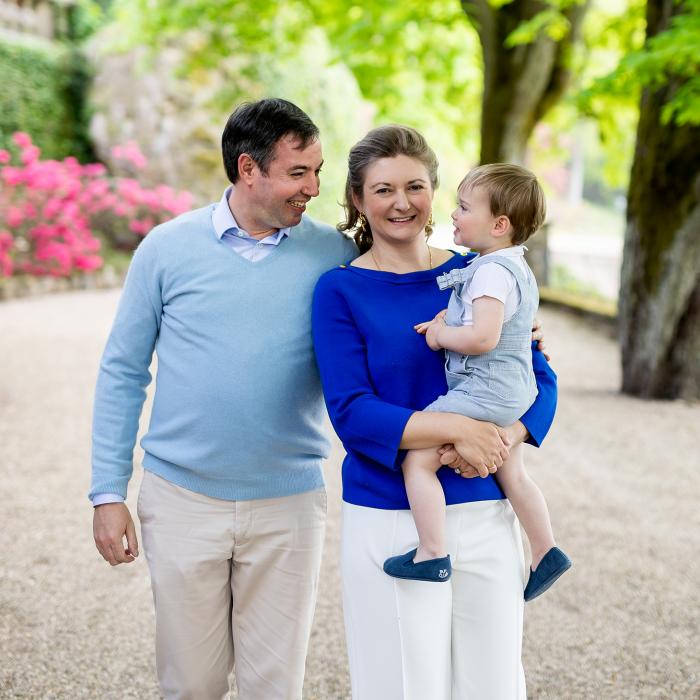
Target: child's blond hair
(513, 191)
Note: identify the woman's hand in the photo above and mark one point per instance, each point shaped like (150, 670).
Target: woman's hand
(449, 457)
(483, 447)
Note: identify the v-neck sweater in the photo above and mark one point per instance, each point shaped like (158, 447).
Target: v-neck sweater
(237, 412)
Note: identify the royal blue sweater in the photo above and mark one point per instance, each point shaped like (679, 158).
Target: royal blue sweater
(376, 371)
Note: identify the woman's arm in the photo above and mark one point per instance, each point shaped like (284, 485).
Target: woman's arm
(539, 417)
(483, 445)
(364, 422)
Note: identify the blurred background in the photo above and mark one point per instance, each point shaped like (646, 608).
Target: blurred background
(599, 98)
(111, 113)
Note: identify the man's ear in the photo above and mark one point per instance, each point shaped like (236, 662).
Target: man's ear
(247, 168)
(501, 226)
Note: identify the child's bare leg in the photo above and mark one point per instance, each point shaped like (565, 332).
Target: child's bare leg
(427, 501)
(528, 503)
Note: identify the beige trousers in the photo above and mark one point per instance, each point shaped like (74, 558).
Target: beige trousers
(231, 579)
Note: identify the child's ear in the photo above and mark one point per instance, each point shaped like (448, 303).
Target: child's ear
(501, 226)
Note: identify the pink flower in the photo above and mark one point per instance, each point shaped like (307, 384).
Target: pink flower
(12, 176)
(6, 265)
(131, 153)
(41, 232)
(14, 217)
(94, 170)
(30, 155)
(21, 139)
(54, 205)
(51, 208)
(7, 240)
(87, 263)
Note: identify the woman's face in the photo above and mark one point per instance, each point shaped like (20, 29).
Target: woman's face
(396, 198)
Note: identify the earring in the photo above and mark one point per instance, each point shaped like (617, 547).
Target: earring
(429, 225)
(363, 223)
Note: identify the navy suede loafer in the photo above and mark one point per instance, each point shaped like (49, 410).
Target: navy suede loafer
(552, 566)
(403, 566)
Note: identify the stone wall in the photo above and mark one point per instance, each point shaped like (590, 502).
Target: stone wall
(177, 120)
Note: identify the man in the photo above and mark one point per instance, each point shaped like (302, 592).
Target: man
(232, 505)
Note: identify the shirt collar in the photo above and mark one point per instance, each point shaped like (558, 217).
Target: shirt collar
(224, 221)
(514, 251)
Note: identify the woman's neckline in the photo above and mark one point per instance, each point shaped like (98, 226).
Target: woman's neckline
(403, 277)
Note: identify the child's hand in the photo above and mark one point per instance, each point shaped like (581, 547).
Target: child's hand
(432, 334)
(422, 328)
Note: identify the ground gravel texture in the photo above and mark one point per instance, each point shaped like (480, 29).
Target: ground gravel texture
(622, 478)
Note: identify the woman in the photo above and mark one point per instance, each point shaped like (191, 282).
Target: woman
(412, 639)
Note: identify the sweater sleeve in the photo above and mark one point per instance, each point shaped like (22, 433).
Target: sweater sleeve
(124, 374)
(365, 423)
(538, 418)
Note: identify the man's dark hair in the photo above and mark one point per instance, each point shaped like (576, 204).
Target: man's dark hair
(256, 127)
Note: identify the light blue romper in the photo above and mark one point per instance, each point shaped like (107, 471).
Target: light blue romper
(497, 386)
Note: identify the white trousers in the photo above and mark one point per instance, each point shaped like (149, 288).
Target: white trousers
(413, 640)
(231, 579)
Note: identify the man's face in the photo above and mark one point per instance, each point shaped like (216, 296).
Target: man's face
(281, 196)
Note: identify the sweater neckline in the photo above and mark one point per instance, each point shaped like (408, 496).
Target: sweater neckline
(407, 277)
(254, 264)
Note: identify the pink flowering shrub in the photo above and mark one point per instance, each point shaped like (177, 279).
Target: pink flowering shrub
(51, 210)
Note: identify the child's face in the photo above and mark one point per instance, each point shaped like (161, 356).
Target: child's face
(474, 224)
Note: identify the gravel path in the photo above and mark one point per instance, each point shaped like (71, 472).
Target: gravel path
(622, 478)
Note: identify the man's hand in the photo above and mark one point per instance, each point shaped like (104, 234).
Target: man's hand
(538, 335)
(484, 446)
(112, 522)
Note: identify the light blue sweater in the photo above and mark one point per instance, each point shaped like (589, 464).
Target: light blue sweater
(238, 410)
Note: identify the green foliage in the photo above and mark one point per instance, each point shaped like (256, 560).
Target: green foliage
(87, 17)
(43, 88)
(550, 21)
(671, 57)
(417, 62)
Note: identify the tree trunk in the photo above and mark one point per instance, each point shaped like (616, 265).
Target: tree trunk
(520, 83)
(660, 279)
